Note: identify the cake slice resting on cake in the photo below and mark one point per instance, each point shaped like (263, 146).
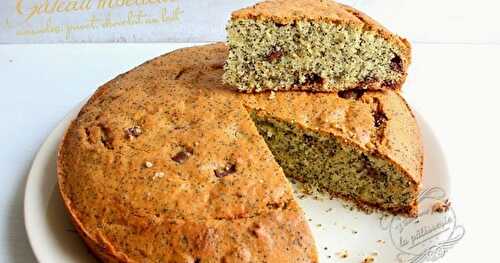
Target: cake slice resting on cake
(312, 45)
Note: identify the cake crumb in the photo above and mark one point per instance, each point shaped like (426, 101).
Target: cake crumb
(159, 175)
(380, 241)
(441, 207)
(342, 254)
(368, 259)
(148, 164)
(272, 95)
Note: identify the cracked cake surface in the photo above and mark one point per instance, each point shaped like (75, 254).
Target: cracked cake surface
(167, 164)
(312, 45)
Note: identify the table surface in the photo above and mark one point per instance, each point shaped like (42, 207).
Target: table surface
(454, 86)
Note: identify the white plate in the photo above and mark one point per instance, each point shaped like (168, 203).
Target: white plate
(333, 224)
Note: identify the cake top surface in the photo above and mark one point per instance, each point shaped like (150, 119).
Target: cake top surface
(178, 142)
(167, 142)
(286, 11)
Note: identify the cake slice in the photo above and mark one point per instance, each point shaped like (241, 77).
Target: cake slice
(312, 45)
(363, 147)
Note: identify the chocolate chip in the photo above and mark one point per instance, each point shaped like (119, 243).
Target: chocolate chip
(352, 94)
(133, 132)
(379, 118)
(313, 78)
(274, 55)
(278, 24)
(183, 155)
(379, 176)
(274, 205)
(397, 64)
(257, 230)
(225, 171)
(368, 170)
(308, 139)
(219, 65)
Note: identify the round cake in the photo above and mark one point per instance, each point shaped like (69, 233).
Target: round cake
(166, 164)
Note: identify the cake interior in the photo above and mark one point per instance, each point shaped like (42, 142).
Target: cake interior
(323, 163)
(268, 56)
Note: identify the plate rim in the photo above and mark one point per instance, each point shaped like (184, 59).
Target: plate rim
(30, 185)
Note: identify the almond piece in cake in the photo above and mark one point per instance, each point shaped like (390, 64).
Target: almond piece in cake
(312, 45)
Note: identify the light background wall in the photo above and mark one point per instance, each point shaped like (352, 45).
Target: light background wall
(425, 21)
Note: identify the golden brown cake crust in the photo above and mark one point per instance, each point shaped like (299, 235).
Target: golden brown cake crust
(288, 11)
(132, 195)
